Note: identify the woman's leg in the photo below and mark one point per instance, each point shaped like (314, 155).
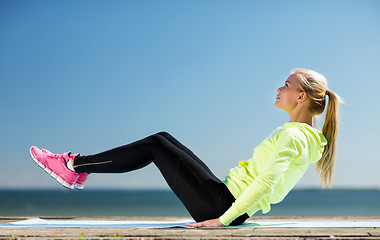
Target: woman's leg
(179, 145)
(225, 198)
(202, 193)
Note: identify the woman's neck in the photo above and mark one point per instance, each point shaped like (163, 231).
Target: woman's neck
(302, 117)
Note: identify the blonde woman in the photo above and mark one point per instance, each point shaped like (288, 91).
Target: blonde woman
(277, 164)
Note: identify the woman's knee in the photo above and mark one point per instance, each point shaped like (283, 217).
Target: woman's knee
(158, 140)
(164, 134)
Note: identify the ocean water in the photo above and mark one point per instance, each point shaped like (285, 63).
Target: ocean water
(165, 203)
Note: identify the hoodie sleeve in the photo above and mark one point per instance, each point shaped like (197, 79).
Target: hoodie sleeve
(287, 148)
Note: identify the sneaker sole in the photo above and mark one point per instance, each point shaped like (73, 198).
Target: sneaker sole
(51, 173)
(78, 186)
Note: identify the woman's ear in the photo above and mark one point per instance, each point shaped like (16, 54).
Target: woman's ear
(302, 97)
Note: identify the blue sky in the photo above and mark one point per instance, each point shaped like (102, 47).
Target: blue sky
(86, 76)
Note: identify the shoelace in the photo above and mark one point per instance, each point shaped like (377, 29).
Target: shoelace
(51, 154)
(56, 155)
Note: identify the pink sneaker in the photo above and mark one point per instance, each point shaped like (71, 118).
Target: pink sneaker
(55, 165)
(81, 180)
(82, 176)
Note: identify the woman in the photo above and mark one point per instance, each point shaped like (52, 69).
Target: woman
(275, 167)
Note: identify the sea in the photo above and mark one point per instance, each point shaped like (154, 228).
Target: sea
(310, 202)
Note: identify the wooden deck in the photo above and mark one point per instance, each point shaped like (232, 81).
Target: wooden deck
(181, 233)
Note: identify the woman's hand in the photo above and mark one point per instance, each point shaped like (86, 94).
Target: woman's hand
(209, 223)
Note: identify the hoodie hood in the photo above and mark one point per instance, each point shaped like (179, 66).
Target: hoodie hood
(316, 139)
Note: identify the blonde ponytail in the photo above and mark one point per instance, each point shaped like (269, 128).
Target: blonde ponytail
(315, 85)
(325, 165)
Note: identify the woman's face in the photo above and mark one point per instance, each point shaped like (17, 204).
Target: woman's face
(288, 94)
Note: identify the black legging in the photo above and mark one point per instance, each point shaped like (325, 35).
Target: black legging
(202, 193)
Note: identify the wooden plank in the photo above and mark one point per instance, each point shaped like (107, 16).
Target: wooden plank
(180, 233)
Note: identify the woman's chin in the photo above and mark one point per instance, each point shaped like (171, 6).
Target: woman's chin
(278, 105)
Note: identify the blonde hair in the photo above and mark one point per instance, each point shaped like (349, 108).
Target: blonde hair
(315, 86)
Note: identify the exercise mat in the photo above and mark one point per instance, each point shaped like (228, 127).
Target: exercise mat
(42, 223)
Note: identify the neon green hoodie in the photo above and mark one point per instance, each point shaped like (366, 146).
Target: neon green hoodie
(277, 164)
